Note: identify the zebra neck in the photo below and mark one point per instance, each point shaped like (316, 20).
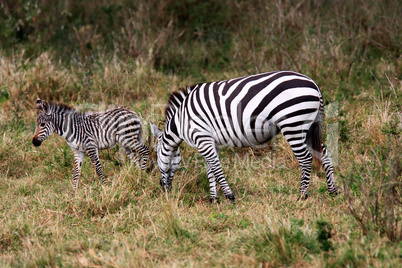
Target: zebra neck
(66, 124)
(172, 132)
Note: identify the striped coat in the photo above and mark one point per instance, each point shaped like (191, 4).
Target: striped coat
(86, 133)
(245, 111)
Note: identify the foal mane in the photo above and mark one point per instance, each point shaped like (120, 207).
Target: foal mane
(60, 107)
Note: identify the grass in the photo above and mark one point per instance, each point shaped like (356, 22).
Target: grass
(123, 57)
(133, 223)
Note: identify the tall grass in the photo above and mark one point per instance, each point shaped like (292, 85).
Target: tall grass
(98, 54)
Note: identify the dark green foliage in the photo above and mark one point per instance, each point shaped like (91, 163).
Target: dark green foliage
(203, 20)
(393, 128)
(189, 36)
(4, 95)
(324, 234)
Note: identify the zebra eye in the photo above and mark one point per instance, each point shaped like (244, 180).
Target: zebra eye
(42, 124)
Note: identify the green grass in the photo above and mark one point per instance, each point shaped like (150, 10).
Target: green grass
(120, 53)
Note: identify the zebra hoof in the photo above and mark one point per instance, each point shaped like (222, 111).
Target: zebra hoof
(166, 188)
(231, 197)
(212, 199)
(162, 185)
(302, 197)
(333, 194)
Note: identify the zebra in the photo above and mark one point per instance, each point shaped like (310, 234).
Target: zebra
(90, 132)
(243, 112)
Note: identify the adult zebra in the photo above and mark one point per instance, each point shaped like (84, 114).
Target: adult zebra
(245, 111)
(90, 132)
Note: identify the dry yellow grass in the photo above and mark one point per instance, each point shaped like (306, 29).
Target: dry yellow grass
(133, 223)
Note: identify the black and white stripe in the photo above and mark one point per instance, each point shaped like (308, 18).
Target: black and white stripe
(245, 111)
(90, 132)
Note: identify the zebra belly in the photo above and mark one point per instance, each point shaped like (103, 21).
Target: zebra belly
(106, 144)
(77, 147)
(230, 135)
(244, 136)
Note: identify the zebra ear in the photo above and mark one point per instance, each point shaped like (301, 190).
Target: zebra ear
(38, 104)
(45, 107)
(155, 130)
(42, 105)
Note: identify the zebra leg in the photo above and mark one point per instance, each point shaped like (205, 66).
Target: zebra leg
(329, 170)
(78, 159)
(132, 155)
(215, 173)
(135, 149)
(305, 159)
(212, 184)
(93, 155)
(143, 150)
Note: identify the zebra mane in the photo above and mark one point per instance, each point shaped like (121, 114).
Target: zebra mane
(61, 108)
(175, 100)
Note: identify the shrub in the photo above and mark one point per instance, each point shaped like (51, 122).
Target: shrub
(378, 209)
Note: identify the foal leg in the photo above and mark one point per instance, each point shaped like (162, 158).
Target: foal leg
(142, 150)
(93, 155)
(78, 159)
(135, 150)
(132, 155)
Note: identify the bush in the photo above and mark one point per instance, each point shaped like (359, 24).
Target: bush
(378, 209)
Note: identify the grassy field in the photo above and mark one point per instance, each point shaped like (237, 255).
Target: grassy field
(135, 54)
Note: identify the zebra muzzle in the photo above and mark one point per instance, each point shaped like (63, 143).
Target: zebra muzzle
(36, 142)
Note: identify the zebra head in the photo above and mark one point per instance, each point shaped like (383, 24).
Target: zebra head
(168, 157)
(44, 123)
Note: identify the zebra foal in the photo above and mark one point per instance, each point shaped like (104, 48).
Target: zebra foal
(242, 112)
(90, 132)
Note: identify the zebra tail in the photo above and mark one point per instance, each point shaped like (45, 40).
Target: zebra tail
(316, 142)
(314, 135)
